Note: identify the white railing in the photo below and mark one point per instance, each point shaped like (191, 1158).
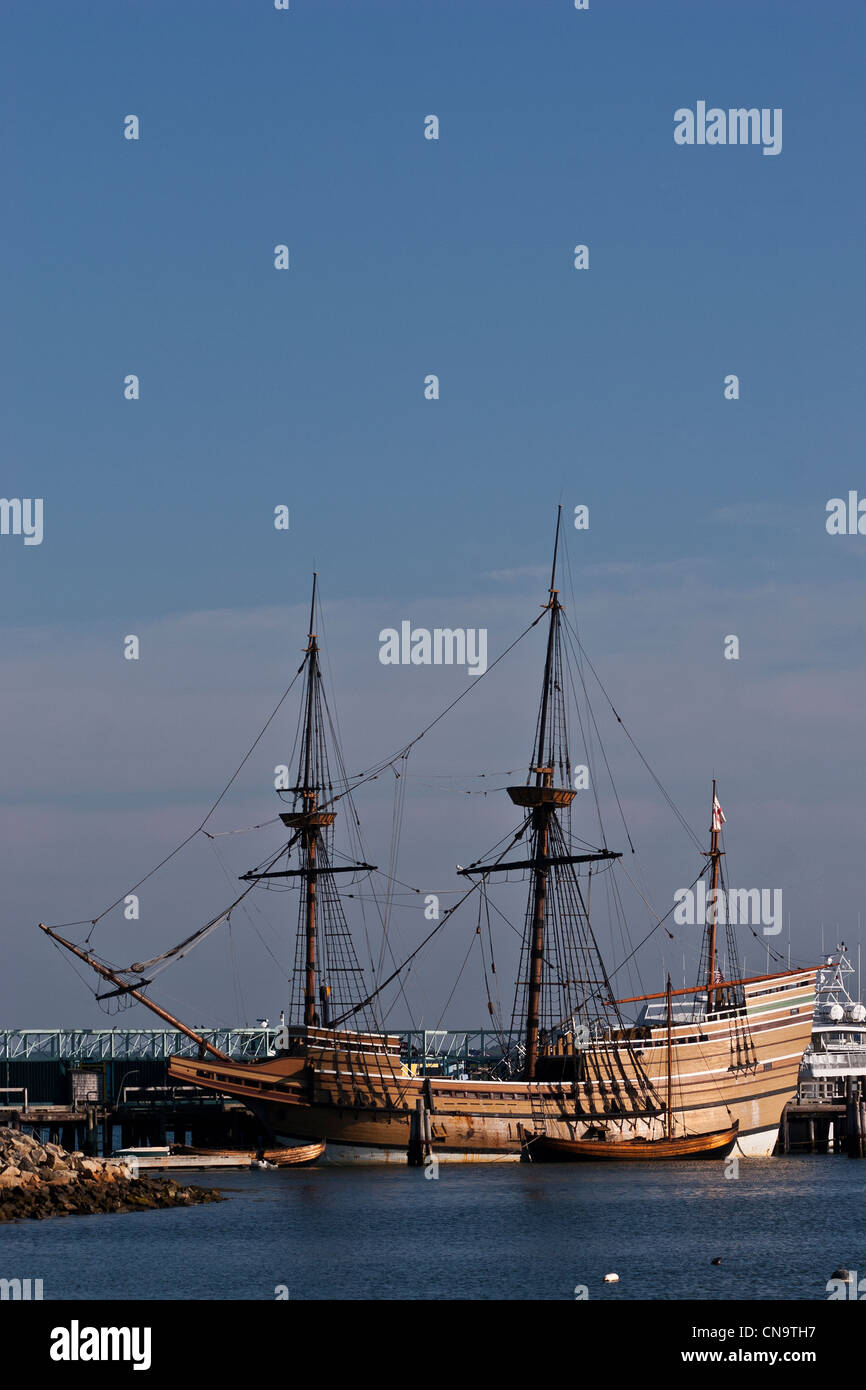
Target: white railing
(16, 1090)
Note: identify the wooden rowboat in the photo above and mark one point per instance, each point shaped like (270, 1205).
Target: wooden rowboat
(718, 1144)
(280, 1158)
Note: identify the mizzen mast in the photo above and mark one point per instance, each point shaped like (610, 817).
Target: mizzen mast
(669, 1114)
(310, 824)
(714, 854)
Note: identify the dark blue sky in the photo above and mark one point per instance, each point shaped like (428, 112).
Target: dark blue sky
(411, 257)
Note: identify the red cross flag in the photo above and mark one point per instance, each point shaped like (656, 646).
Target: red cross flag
(718, 814)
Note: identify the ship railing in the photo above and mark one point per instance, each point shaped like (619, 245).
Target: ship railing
(852, 1059)
(829, 1090)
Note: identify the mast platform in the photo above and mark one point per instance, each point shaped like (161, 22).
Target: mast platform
(300, 819)
(541, 796)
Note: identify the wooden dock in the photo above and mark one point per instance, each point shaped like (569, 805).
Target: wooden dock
(173, 1163)
(813, 1127)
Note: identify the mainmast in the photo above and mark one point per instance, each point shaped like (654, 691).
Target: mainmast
(543, 800)
(542, 811)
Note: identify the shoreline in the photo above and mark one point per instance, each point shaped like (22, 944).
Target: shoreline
(39, 1181)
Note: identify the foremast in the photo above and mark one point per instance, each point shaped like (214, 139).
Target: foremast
(324, 949)
(321, 922)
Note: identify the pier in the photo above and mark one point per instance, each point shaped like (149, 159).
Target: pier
(826, 1123)
(101, 1089)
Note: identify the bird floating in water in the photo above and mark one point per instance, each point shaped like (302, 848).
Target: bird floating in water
(717, 1260)
(611, 1278)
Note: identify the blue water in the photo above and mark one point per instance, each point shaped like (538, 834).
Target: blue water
(477, 1232)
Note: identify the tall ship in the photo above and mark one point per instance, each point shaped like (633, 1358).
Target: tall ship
(578, 1063)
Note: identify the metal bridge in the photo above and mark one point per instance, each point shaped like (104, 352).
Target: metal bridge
(128, 1044)
(446, 1048)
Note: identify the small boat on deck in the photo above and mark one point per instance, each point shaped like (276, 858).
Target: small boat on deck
(538, 1148)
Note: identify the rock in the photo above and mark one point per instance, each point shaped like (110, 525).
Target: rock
(60, 1177)
(42, 1180)
(89, 1168)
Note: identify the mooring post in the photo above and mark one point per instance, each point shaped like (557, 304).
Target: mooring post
(91, 1143)
(853, 1130)
(415, 1152)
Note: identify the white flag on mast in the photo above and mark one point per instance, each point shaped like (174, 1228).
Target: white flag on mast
(718, 814)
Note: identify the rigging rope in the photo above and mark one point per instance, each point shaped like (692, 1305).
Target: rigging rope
(379, 768)
(668, 798)
(229, 783)
(449, 913)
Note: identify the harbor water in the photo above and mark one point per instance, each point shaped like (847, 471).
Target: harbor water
(476, 1232)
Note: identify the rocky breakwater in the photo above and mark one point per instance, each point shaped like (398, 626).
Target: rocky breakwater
(39, 1180)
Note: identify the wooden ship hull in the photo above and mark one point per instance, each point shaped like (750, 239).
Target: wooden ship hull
(352, 1091)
